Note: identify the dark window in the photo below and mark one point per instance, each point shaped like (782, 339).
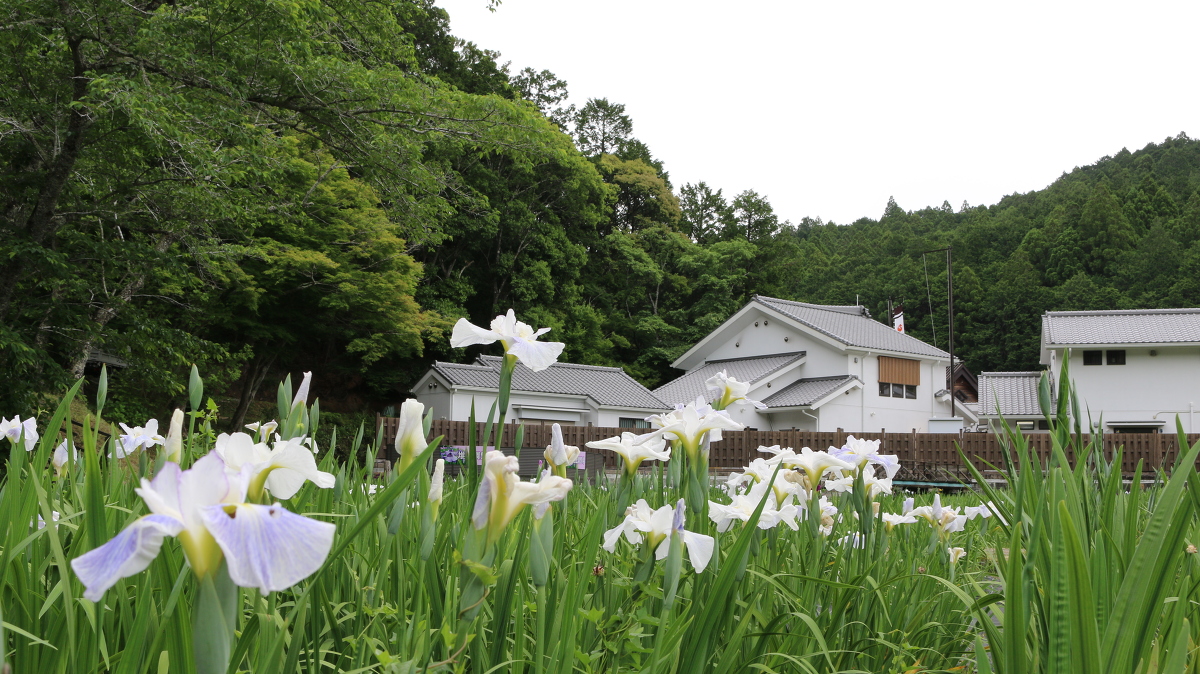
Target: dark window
(1093, 357)
(1043, 425)
(1135, 429)
(629, 422)
(898, 391)
(1116, 357)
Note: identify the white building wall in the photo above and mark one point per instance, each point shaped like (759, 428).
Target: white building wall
(862, 410)
(796, 419)
(1166, 385)
(462, 405)
(748, 340)
(866, 411)
(441, 402)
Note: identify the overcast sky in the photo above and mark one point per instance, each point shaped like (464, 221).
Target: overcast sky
(830, 107)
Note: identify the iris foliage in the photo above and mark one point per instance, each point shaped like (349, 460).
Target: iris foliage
(1070, 568)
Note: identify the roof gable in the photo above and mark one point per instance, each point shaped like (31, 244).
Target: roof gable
(851, 326)
(685, 389)
(606, 386)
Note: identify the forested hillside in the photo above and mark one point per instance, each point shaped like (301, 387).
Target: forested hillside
(261, 189)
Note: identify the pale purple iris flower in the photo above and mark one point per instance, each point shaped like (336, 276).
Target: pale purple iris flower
(138, 437)
(264, 546)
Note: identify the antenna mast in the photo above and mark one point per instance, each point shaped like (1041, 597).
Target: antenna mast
(950, 312)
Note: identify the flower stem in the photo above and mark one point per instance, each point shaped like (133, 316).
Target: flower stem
(540, 634)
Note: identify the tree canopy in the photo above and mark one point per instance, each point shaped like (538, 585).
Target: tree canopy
(328, 185)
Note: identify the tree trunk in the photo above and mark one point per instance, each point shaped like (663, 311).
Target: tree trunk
(252, 380)
(110, 310)
(43, 221)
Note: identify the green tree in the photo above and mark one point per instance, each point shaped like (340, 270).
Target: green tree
(602, 127)
(323, 281)
(704, 212)
(141, 138)
(545, 90)
(1148, 202)
(1186, 228)
(641, 196)
(753, 218)
(1104, 231)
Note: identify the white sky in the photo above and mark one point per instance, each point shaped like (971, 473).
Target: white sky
(830, 107)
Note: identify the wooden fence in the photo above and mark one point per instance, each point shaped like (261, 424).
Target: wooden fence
(923, 456)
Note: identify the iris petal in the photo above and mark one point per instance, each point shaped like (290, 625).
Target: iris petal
(700, 549)
(536, 356)
(266, 546)
(293, 466)
(207, 483)
(612, 536)
(483, 502)
(466, 333)
(162, 493)
(130, 552)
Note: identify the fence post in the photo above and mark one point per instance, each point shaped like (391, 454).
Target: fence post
(1158, 453)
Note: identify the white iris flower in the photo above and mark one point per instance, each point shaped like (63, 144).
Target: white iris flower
(502, 494)
(627, 445)
(861, 452)
(264, 546)
(826, 512)
(786, 482)
(693, 424)
(744, 505)
(853, 540)
(956, 554)
(730, 391)
(14, 428)
(558, 454)
(977, 511)
(301, 397)
(410, 436)
(282, 469)
(519, 340)
(874, 486)
(891, 519)
(655, 528)
(64, 453)
(436, 482)
(815, 464)
(945, 520)
(267, 428)
(174, 443)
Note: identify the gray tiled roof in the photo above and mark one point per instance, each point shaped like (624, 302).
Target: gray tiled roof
(686, 388)
(806, 391)
(1016, 393)
(609, 386)
(1140, 326)
(852, 326)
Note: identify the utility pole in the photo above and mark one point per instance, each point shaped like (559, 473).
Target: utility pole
(950, 311)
